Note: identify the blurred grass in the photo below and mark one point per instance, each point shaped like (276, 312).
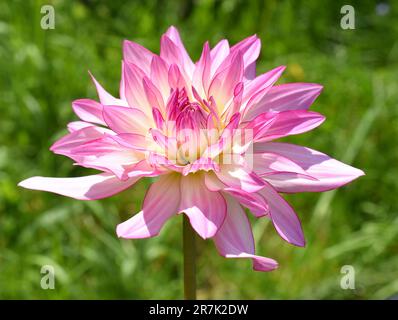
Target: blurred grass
(42, 71)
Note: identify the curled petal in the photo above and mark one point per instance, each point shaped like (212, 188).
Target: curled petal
(239, 177)
(285, 220)
(235, 238)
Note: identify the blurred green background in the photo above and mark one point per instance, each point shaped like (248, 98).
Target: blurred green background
(43, 71)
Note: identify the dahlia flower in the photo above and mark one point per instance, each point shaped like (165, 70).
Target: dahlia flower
(207, 131)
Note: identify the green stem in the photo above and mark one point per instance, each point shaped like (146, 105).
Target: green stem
(189, 248)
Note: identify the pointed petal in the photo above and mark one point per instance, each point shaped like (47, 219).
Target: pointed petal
(283, 124)
(137, 54)
(136, 97)
(77, 125)
(126, 120)
(328, 172)
(235, 238)
(256, 89)
(82, 188)
(174, 36)
(285, 220)
(160, 203)
(289, 96)
(159, 76)
(88, 110)
(76, 138)
(105, 97)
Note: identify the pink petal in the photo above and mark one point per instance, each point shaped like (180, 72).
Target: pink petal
(283, 217)
(206, 209)
(175, 78)
(250, 47)
(328, 172)
(77, 125)
(105, 97)
(159, 76)
(256, 89)
(135, 93)
(174, 36)
(289, 96)
(269, 162)
(218, 54)
(201, 75)
(284, 124)
(126, 120)
(223, 84)
(154, 96)
(82, 188)
(235, 238)
(253, 201)
(107, 155)
(137, 54)
(76, 138)
(88, 110)
(239, 177)
(160, 203)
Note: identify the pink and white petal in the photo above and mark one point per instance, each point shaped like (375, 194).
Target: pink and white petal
(105, 97)
(259, 87)
(134, 90)
(206, 209)
(176, 78)
(76, 138)
(160, 203)
(107, 155)
(218, 54)
(235, 238)
(133, 141)
(250, 48)
(289, 96)
(82, 188)
(77, 125)
(137, 54)
(253, 201)
(159, 76)
(173, 34)
(126, 120)
(285, 220)
(328, 172)
(88, 110)
(224, 82)
(201, 75)
(239, 177)
(284, 124)
(269, 162)
(153, 95)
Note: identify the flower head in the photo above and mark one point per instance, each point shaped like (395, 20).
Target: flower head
(206, 129)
